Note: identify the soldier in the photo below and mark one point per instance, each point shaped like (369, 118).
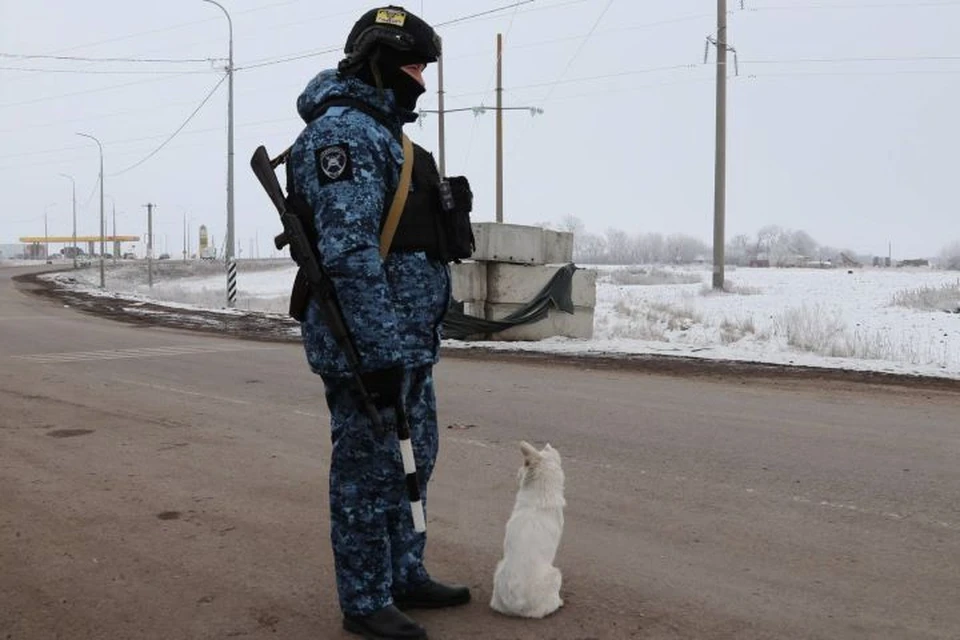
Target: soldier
(346, 165)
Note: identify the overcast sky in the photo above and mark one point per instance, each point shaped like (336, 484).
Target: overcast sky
(842, 121)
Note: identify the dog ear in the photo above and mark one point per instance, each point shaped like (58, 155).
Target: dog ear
(530, 454)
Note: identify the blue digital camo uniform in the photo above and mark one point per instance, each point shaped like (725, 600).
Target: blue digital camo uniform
(347, 165)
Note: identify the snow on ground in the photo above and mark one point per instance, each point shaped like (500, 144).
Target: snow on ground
(810, 317)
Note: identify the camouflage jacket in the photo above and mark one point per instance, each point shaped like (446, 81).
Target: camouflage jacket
(346, 165)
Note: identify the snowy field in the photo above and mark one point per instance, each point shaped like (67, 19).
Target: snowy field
(892, 320)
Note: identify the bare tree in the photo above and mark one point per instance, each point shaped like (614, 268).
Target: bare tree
(740, 250)
(618, 246)
(950, 256)
(650, 248)
(683, 249)
(802, 244)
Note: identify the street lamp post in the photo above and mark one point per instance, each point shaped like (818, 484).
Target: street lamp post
(102, 241)
(74, 193)
(46, 242)
(231, 268)
(114, 250)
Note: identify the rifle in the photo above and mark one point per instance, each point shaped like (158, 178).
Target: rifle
(322, 290)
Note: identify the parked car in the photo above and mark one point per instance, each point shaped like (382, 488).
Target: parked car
(129, 256)
(163, 256)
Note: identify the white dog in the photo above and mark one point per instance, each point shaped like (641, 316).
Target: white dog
(526, 583)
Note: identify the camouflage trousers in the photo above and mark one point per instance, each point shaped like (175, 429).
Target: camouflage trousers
(376, 552)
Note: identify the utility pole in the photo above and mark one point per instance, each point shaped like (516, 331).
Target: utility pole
(499, 127)
(115, 252)
(479, 110)
(720, 165)
(440, 117)
(231, 267)
(150, 207)
(46, 242)
(184, 236)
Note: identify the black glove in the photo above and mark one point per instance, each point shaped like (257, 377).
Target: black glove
(458, 196)
(384, 386)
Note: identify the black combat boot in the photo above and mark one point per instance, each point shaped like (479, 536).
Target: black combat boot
(433, 595)
(388, 623)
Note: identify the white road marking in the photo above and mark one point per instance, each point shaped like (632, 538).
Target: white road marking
(889, 515)
(824, 504)
(475, 443)
(141, 352)
(160, 387)
(31, 318)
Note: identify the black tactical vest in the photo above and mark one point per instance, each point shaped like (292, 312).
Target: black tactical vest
(420, 228)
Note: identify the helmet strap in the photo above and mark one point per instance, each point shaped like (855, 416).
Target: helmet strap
(375, 69)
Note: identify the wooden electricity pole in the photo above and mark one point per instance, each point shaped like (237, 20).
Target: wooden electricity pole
(499, 127)
(720, 169)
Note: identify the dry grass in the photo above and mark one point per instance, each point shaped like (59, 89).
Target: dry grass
(815, 329)
(731, 288)
(647, 276)
(946, 297)
(735, 330)
(652, 320)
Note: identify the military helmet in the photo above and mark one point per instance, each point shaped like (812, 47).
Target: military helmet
(392, 27)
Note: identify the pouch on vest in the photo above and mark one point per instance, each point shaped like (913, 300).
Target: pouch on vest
(437, 217)
(457, 201)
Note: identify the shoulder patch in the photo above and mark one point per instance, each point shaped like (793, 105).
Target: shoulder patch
(333, 164)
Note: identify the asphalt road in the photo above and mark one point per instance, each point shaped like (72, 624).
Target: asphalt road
(157, 483)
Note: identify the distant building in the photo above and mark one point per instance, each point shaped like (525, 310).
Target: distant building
(12, 251)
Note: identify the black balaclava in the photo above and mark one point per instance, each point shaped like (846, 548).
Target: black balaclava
(386, 63)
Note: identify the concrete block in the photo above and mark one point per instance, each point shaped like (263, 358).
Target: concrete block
(514, 243)
(557, 323)
(557, 247)
(517, 284)
(475, 309)
(469, 281)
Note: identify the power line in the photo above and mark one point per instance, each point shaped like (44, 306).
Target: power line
(866, 5)
(106, 73)
(269, 62)
(152, 108)
(541, 7)
(23, 56)
(87, 91)
(482, 13)
(903, 72)
(174, 134)
(541, 43)
(93, 192)
(656, 85)
(473, 126)
(266, 62)
(292, 121)
(605, 76)
(865, 59)
(580, 48)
